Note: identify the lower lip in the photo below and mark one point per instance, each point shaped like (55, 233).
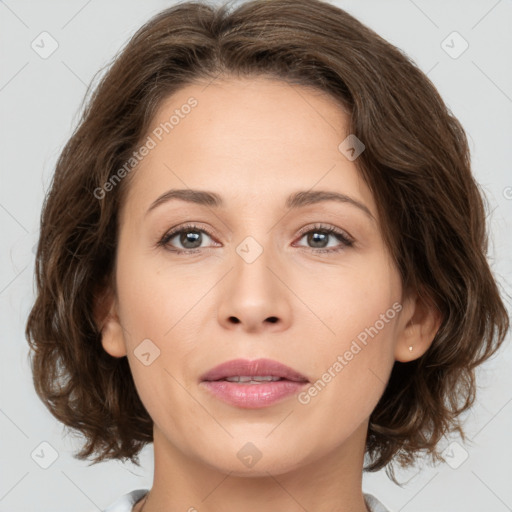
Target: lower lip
(253, 396)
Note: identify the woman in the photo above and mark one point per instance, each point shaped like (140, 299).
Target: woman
(264, 252)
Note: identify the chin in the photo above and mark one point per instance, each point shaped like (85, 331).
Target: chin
(273, 466)
(246, 458)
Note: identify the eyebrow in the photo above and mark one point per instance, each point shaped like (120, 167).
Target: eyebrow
(294, 201)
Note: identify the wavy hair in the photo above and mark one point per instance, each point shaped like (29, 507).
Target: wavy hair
(416, 164)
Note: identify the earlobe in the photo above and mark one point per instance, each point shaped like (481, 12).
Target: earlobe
(112, 338)
(419, 331)
(107, 322)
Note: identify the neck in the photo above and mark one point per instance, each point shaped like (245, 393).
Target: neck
(329, 482)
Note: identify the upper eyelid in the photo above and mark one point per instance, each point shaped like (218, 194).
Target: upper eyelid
(189, 226)
(329, 227)
(211, 232)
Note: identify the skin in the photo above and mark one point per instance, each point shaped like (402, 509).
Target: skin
(254, 142)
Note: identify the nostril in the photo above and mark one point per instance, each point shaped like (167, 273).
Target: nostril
(272, 319)
(234, 319)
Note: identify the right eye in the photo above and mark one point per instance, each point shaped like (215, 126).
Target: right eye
(189, 236)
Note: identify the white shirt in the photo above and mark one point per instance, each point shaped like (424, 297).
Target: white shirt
(125, 503)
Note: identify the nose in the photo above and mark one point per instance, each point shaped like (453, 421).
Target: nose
(254, 296)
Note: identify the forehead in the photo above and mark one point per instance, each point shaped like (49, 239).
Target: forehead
(248, 139)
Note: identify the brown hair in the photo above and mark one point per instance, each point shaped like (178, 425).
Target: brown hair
(416, 164)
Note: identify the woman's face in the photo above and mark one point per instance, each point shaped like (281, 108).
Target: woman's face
(263, 280)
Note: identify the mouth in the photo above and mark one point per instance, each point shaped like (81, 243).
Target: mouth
(255, 379)
(253, 384)
(253, 372)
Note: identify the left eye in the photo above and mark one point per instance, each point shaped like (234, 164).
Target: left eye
(319, 237)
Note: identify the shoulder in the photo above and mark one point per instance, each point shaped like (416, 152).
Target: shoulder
(126, 501)
(373, 504)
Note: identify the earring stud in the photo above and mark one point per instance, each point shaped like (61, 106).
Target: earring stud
(410, 348)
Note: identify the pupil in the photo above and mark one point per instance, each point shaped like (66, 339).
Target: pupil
(318, 238)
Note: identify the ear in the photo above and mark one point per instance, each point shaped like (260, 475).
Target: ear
(419, 324)
(107, 321)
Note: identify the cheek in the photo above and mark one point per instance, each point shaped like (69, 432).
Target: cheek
(354, 354)
(160, 332)
(344, 302)
(157, 336)
(154, 300)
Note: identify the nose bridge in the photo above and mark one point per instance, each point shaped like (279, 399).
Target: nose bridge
(258, 248)
(253, 296)
(251, 274)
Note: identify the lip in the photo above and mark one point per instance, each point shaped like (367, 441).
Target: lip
(253, 395)
(255, 368)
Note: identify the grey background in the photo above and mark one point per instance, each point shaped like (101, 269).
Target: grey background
(39, 102)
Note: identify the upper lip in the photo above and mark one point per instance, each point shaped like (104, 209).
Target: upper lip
(255, 368)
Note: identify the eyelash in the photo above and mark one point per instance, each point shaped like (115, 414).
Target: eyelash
(328, 230)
